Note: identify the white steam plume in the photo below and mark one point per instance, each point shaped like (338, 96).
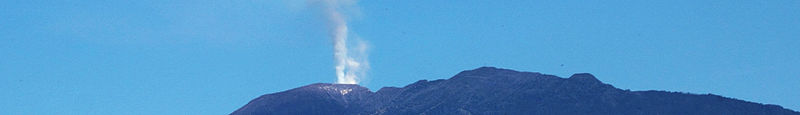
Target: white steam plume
(350, 68)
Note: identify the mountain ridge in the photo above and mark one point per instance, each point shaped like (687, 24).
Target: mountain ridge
(490, 90)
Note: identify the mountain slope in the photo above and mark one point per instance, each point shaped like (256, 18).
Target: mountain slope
(489, 90)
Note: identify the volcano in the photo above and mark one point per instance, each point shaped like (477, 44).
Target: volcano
(489, 90)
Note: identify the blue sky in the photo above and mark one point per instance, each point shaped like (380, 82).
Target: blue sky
(211, 57)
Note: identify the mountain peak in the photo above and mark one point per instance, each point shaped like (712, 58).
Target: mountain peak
(490, 90)
(491, 69)
(486, 70)
(584, 78)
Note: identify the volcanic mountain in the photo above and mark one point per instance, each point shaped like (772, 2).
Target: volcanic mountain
(489, 90)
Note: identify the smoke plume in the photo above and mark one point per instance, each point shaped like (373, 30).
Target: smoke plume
(351, 64)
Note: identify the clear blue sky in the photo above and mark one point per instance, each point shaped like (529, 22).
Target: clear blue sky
(212, 57)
